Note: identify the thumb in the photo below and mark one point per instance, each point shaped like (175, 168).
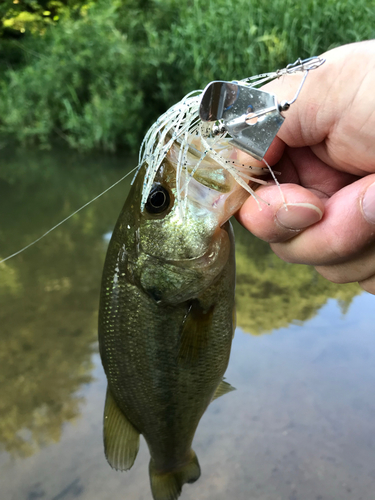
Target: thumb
(344, 233)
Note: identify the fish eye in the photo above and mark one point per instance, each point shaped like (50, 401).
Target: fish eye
(158, 200)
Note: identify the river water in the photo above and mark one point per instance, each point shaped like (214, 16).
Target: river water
(300, 425)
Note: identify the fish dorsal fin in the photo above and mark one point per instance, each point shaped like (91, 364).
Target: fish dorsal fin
(121, 439)
(222, 388)
(195, 332)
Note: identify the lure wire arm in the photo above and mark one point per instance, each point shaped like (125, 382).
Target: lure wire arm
(298, 65)
(251, 116)
(306, 65)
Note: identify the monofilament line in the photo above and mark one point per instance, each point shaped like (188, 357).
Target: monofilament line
(67, 218)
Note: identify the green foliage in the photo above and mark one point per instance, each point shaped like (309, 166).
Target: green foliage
(99, 78)
(19, 16)
(234, 39)
(21, 21)
(82, 84)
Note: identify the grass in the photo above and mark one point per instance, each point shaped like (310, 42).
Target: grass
(99, 80)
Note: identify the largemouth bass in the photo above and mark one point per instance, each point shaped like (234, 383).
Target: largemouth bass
(167, 316)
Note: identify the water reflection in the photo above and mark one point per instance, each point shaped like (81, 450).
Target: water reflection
(271, 294)
(49, 294)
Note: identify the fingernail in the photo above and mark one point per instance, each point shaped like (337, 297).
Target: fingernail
(298, 215)
(368, 204)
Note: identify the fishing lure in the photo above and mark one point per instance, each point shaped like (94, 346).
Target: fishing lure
(250, 118)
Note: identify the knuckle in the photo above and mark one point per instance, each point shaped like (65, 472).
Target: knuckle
(368, 285)
(335, 274)
(282, 236)
(281, 249)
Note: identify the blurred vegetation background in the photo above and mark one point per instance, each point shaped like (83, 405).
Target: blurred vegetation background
(96, 74)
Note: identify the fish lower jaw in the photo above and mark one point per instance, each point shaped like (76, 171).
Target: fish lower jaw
(215, 256)
(172, 282)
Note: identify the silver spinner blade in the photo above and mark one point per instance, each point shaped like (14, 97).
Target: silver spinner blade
(250, 116)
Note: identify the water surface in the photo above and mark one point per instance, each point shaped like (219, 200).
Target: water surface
(300, 425)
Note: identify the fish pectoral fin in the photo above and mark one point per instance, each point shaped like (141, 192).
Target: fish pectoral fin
(195, 332)
(222, 388)
(121, 439)
(168, 485)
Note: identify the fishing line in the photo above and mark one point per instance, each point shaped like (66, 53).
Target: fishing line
(67, 218)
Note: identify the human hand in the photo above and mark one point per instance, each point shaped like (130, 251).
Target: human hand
(325, 151)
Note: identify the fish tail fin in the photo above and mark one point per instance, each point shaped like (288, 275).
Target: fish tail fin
(168, 485)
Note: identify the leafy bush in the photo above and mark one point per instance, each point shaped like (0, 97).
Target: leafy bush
(79, 85)
(99, 79)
